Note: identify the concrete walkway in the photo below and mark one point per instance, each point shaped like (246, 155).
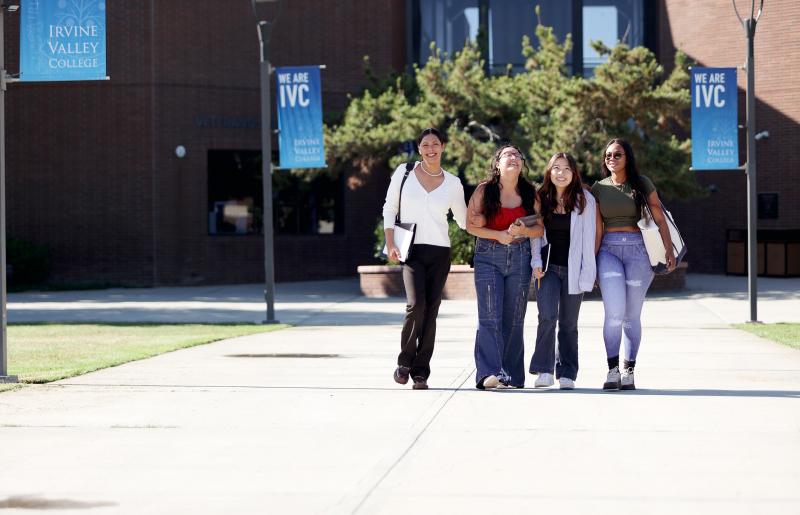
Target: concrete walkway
(308, 420)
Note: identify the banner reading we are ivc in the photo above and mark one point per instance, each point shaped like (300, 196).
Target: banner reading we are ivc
(62, 40)
(299, 102)
(715, 125)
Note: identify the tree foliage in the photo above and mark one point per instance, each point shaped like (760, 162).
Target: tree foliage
(542, 110)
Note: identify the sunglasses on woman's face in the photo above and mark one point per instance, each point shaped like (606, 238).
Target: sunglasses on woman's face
(616, 155)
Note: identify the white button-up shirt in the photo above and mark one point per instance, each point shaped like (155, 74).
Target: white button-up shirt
(427, 210)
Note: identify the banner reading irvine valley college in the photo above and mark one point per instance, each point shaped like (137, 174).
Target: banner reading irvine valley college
(715, 124)
(300, 117)
(62, 40)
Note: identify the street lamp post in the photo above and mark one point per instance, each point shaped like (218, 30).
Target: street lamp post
(264, 31)
(749, 25)
(4, 377)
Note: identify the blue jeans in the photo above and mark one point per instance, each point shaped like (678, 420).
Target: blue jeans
(502, 281)
(556, 305)
(624, 274)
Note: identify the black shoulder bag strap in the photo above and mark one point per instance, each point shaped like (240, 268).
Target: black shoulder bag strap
(409, 167)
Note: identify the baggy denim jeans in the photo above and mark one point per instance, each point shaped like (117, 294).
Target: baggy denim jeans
(502, 281)
(624, 275)
(556, 305)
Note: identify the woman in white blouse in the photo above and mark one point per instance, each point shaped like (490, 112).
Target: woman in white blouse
(428, 193)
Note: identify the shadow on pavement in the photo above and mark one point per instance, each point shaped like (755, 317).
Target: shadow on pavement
(36, 502)
(667, 392)
(542, 391)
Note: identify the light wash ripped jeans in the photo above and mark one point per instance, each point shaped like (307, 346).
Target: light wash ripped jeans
(624, 275)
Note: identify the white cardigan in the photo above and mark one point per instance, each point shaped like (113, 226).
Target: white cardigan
(427, 210)
(581, 266)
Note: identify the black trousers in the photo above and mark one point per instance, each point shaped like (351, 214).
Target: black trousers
(424, 275)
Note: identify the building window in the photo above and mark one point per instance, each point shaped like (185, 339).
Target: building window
(510, 20)
(451, 23)
(303, 203)
(610, 21)
(235, 200)
(307, 203)
(448, 23)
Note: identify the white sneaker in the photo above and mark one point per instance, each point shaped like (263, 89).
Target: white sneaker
(565, 383)
(543, 380)
(491, 382)
(613, 380)
(627, 380)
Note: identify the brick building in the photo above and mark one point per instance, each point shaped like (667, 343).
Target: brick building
(92, 170)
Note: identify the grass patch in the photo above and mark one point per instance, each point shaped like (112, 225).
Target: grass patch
(787, 334)
(40, 353)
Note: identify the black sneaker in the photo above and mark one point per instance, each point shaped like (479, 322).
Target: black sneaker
(401, 375)
(420, 383)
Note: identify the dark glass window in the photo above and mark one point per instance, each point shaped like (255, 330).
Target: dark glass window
(303, 202)
(307, 202)
(510, 20)
(450, 23)
(235, 199)
(610, 21)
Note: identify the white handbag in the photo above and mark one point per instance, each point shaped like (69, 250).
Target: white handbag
(655, 244)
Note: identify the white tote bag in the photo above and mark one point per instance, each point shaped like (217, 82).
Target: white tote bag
(655, 245)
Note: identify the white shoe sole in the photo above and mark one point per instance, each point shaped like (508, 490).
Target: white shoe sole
(491, 382)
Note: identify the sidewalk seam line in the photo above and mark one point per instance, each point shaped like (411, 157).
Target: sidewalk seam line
(410, 446)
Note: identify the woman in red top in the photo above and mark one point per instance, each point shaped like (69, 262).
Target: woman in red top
(502, 268)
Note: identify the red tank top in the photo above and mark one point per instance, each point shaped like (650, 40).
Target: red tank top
(505, 217)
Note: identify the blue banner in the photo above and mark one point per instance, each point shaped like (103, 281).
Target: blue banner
(715, 123)
(62, 40)
(299, 102)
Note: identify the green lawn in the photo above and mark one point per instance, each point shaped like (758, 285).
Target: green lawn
(787, 334)
(39, 353)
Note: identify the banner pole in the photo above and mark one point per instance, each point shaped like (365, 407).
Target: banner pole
(266, 172)
(4, 377)
(752, 186)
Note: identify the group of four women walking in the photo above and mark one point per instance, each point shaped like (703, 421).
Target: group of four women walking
(577, 237)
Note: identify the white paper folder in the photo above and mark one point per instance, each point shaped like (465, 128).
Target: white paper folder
(403, 239)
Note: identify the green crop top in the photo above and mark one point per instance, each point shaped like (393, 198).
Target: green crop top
(617, 206)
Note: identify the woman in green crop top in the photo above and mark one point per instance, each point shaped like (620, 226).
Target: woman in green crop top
(623, 268)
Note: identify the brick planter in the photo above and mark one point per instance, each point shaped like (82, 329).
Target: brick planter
(387, 281)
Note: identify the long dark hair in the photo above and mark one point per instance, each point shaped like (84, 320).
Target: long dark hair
(631, 171)
(573, 195)
(491, 191)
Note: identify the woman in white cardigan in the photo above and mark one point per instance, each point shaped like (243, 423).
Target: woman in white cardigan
(428, 193)
(567, 270)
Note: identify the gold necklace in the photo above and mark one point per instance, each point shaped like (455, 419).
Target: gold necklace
(422, 165)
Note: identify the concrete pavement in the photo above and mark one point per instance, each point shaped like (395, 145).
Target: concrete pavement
(725, 296)
(308, 420)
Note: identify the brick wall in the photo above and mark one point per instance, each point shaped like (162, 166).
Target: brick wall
(710, 33)
(79, 170)
(91, 166)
